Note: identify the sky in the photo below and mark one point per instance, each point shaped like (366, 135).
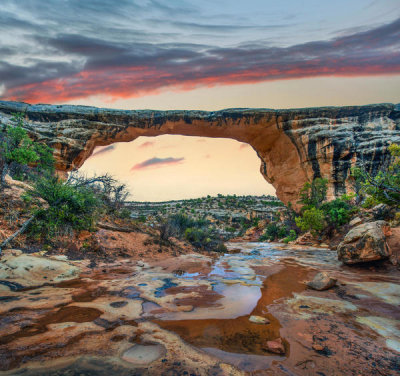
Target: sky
(180, 167)
(209, 55)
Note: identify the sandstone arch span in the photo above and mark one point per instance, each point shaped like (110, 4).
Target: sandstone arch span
(294, 145)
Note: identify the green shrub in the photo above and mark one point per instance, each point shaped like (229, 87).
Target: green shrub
(370, 202)
(196, 231)
(197, 235)
(337, 212)
(142, 219)
(124, 213)
(69, 207)
(292, 236)
(312, 219)
(274, 231)
(384, 187)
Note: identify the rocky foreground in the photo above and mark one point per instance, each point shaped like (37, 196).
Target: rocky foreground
(261, 309)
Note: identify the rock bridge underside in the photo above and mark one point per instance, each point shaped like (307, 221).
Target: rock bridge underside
(294, 145)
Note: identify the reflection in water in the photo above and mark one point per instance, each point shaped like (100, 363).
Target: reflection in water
(208, 303)
(235, 335)
(235, 301)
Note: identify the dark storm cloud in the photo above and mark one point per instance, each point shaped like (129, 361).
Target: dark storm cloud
(118, 61)
(14, 76)
(157, 162)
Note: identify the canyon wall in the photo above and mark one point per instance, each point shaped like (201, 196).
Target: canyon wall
(294, 145)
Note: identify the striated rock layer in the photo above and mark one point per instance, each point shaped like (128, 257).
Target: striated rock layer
(294, 145)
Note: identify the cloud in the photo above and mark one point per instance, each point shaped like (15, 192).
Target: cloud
(130, 59)
(146, 144)
(103, 150)
(157, 162)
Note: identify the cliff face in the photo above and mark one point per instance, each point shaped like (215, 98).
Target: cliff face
(294, 145)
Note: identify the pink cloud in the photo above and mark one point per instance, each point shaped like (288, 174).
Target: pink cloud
(157, 162)
(146, 144)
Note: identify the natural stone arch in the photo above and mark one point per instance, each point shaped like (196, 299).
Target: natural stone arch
(294, 145)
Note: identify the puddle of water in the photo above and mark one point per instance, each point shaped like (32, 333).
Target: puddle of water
(236, 300)
(234, 338)
(160, 291)
(143, 355)
(199, 296)
(223, 294)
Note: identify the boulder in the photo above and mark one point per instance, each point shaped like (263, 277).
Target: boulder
(322, 281)
(364, 243)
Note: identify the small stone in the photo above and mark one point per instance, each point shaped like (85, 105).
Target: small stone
(275, 346)
(355, 221)
(16, 252)
(322, 281)
(258, 320)
(317, 347)
(324, 245)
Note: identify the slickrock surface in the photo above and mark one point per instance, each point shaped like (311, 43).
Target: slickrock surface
(192, 315)
(294, 145)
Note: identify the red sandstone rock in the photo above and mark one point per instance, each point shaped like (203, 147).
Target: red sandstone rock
(393, 241)
(294, 146)
(275, 346)
(322, 281)
(364, 243)
(305, 239)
